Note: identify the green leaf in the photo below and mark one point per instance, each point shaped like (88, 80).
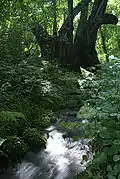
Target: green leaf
(104, 133)
(117, 169)
(109, 168)
(2, 141)
(111, 150)
(116, 158)
(112, 177)
(98, 176)
(116, 142)
(119, 176)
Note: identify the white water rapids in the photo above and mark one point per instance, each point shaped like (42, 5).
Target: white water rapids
(62, 159)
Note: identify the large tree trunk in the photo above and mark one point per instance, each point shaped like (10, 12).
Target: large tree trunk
(82, 51)
(86, 35)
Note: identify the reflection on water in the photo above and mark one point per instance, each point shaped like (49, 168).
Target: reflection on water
(62, 159)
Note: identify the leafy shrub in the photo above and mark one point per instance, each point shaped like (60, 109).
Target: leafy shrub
(65, 91)
(12, 123)
(106, 143)
(14, 147)
(8, 123)
(87, 112)
(34, 138)
(47, 117)
(11, 47)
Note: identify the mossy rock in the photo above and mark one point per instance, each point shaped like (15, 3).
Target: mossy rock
(12, 123)
(14, 147)
(34, 138)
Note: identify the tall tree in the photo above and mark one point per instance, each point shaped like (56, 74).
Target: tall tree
(83, 52)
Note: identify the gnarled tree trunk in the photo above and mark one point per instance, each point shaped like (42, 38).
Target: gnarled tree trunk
(82, 51)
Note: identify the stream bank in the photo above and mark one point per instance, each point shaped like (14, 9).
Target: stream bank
(63, 157)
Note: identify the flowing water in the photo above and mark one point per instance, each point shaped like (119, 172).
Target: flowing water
(62, 159)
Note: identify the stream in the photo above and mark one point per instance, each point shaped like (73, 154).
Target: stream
(62, 159)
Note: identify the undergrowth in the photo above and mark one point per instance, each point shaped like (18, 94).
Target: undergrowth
(104, 114)
(31, 91)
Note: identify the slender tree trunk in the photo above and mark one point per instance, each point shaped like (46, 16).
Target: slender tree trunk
(55, 19)
(70, 26)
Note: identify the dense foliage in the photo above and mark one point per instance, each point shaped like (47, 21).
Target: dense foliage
(31, 90)
(103, 113)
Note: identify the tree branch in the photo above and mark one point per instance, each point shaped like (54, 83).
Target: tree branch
(70, 15)
(109, 19)
(98, 10)
(104, 19)
(63, 30)
(82, 20)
